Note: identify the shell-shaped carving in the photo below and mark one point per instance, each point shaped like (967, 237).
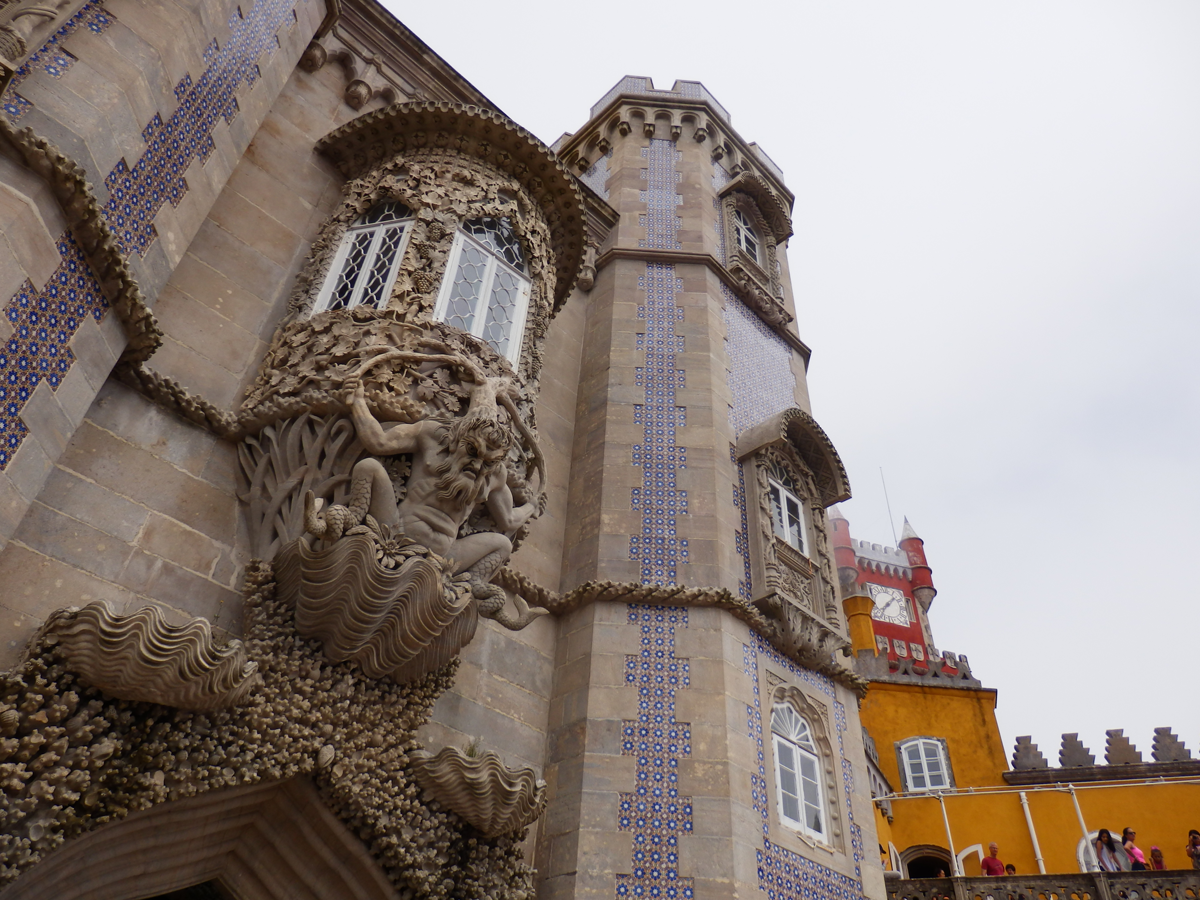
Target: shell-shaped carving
(402, 622)
(142, 657)
(481, 789)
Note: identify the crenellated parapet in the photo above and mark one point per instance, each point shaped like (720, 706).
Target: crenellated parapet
(944, 669)
(1122, 760)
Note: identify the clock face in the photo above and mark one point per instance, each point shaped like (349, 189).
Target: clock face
(890, 605)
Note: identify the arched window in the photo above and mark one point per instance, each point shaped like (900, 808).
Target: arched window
(787, 511)
(486, 288)
(364, 268)
(747, 237)
(798, 773)
(924, 764)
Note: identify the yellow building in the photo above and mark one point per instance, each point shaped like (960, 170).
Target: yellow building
(944, 786)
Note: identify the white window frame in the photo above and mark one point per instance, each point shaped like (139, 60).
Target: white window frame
(928, 749)
(339, 260)
(747, 238)
(494, 262)
(810, 791)
(797, 539)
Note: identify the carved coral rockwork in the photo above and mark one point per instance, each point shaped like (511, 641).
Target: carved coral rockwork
(141, 657)
(481, 789)
(73, 757)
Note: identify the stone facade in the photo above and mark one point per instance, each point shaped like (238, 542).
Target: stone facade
(238, 581)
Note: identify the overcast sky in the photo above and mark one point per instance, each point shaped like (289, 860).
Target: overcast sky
(997, 264)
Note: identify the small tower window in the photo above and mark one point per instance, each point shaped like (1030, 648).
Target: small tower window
(486, 289)
(788, 514)
(747, 238)
(797, 772)
(365, 266)
(925, 765)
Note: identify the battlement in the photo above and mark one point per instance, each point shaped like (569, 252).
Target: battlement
(943, 669)
(882, 558)
(1076, 763)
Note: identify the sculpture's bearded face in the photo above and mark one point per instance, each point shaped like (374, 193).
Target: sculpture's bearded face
(476, 445)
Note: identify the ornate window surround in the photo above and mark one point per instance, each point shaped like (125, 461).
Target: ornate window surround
(450, 164)
(760, 268)
(808, 793)
(818, 718)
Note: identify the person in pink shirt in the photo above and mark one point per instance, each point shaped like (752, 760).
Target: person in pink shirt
(1137, 859)
(991, 864)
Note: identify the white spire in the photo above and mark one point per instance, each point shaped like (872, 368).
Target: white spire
(908, 531)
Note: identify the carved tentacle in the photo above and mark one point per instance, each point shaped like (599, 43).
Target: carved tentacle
(490, 599)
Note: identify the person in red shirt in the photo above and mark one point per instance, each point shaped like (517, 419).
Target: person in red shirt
(991, 864)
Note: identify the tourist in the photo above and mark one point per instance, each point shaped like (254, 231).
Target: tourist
(1156, 859)
(1106, 852)
(1137, 859)
(1193, 848)
(1010, 869)
(991, 864)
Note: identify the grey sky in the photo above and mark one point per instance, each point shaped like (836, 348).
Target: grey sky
(997, 265)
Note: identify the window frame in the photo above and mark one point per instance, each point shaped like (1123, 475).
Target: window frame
(811, 753)
(906, 768)
(517, 335)
(781, 521)
(744, 233)
(377, 231)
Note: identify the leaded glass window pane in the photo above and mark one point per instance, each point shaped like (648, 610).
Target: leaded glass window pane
(365, 267)
(489, 293)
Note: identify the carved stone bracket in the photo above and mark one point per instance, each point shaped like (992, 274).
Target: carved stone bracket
(140, 657)
(481, 789)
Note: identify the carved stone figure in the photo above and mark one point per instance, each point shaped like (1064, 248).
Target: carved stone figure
(457, 466)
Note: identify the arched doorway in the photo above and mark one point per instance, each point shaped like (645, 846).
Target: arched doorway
(926, 861)
(247, 843)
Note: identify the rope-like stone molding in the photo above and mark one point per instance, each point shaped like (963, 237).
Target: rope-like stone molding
(140, 657)
(69, 184)
(481, 789)
(775, 632)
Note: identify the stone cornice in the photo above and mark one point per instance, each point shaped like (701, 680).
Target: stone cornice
(684, 257)
(708, 125)
(377, 136)
(381, 41)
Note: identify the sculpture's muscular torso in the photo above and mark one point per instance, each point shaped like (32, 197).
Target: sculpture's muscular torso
(455, 467)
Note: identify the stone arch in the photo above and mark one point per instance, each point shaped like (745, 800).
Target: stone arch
(259, 841)
(914, 860)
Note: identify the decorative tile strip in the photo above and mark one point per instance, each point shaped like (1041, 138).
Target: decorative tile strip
(137, 193)
(654, 812)
(782, 874)
(43, 321)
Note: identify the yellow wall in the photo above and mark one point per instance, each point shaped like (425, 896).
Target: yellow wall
(964, 718)
(1160, 812)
